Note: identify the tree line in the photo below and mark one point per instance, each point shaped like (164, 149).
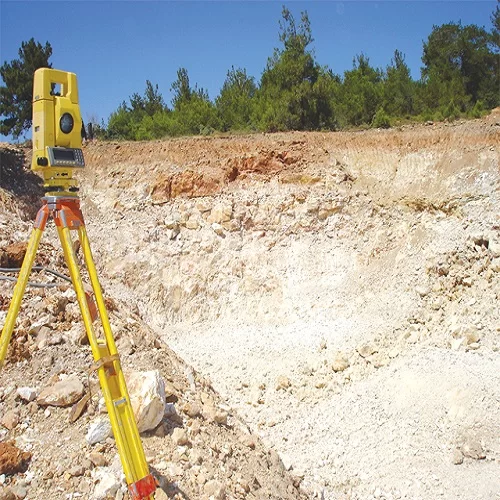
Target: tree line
(460, 77)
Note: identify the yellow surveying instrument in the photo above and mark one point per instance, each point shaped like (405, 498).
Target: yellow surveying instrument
(56, 152)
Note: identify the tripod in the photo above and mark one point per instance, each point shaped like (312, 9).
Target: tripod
(67, 216)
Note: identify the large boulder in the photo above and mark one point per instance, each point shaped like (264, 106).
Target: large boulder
(147, 395)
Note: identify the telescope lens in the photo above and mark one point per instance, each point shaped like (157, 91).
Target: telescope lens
(66, 123)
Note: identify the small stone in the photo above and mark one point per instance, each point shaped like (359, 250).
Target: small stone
(367, 350)
(340, 362)
(471, 334)
(195, 427)
(457, 457)
(282, 383)
(76, 471)
(10, 419)
(203, 206)
(220, 213)
(495, 265)
(423, 290)
(63, 393)
(467, 281)
(472, 448)
(494, 248)
(107, 483)
(214, 489)
(394, 352)
(160, 431)
(27, 394)
(248, 440)
(220, 417)
(287, 461)
(98, 459)
(180, 437)
(379, 359)
(192, 410)
(19, 491)
(99, 431)
(455, 344)
(216, 415)
(196, 457)
(218, 229)
(171, 224)
(192, 223)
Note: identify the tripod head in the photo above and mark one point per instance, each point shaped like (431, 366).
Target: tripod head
(57, 122)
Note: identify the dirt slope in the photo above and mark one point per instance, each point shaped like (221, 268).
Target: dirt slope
(339, 290)
(200, 449)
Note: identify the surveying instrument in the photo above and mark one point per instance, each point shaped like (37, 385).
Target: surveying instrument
(57, 152)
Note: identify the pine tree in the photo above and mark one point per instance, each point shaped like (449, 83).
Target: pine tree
(17, 94)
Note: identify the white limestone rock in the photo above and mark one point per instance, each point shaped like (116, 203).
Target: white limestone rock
(27, 394)
(107, 483)
(147, 395)
(99, 431)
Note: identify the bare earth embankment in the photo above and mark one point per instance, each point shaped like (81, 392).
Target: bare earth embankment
(339, 291)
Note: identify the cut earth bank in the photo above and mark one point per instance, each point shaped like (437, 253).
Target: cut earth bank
(339, 290)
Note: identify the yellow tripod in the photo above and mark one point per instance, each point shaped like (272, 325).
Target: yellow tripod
(65, 210)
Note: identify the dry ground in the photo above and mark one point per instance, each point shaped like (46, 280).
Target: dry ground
(338, 290)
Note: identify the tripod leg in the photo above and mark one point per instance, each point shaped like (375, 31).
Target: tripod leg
(22, 281)
(107, 363)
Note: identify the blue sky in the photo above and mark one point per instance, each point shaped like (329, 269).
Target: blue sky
(114, 46)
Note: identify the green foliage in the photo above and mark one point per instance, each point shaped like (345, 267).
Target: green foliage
(459, 65)
(193, 110)
(451, 111)
(235, 102)
(399, 88)
(291, 94)
(477, 111)
(495, 32)
(460, 77)
(381, 119)
(131, 122)
(361, 93)
(17, 94)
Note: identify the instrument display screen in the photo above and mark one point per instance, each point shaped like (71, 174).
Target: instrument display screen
(65, 157)
(64, 154)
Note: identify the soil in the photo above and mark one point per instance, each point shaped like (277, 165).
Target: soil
(333, 294)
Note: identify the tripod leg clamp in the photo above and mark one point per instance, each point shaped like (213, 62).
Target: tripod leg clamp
(103, 362)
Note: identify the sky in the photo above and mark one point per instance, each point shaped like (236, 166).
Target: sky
(115, 46)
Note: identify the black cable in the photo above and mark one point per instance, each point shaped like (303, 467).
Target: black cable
(35, 268)
(30, 283)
